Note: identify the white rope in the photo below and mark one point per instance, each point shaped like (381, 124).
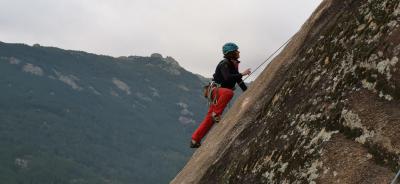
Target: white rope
(269, 58)
(395, 178)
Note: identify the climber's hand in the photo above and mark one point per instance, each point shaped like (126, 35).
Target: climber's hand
(246, 72)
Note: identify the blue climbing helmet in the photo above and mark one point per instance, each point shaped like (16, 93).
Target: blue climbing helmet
(229, 47)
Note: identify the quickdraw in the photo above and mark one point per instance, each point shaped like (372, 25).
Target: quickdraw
(208, 91)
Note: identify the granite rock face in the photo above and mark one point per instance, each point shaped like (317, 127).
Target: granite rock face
(325, 110)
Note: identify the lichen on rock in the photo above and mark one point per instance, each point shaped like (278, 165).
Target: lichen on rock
(328, 106)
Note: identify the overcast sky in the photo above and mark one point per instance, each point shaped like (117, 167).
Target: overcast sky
(192, 32)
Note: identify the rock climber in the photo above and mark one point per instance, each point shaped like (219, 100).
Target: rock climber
(225, 78)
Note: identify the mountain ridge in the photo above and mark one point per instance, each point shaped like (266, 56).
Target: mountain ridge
(76, 117)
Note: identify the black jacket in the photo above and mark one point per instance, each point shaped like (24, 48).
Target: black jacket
(227, 75)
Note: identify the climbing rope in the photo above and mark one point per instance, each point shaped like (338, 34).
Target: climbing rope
(276, 52)
(268, 58)
(395, 178)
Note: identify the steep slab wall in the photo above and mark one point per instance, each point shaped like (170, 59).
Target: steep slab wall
(325, 110)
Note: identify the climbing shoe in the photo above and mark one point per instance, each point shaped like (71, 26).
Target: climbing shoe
(194, 144)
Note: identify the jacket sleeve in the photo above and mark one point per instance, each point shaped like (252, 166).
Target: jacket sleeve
(228, 75)
(242, 85)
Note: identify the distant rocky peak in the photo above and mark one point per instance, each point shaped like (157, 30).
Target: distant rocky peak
(174, 67)
(172, 61)
(168, 59)
(156, 55)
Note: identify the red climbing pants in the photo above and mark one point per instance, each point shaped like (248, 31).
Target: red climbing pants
(224, 96)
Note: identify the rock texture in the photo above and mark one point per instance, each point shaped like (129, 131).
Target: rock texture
(325, 110)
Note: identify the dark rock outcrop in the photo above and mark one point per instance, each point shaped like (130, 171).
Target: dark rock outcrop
(325, 110)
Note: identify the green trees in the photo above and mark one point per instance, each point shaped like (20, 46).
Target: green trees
(73, 124)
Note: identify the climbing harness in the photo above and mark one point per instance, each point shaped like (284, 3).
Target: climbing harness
(210, 88)
(395, 178)
(268, 58)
